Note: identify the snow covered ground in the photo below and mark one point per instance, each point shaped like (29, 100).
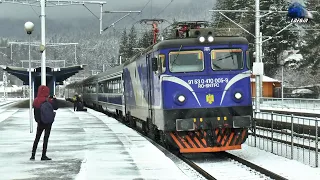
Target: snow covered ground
(91, 145)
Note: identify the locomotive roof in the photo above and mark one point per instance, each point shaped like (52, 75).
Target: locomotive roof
(176, 43)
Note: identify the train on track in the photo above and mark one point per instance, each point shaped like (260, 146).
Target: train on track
(192, 93)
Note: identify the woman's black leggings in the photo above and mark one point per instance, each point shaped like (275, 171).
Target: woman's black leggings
(40, 128)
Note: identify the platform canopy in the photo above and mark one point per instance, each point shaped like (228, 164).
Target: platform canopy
(60, 74)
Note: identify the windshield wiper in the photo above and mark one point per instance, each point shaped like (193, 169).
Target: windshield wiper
(216, 66)
(177, 56)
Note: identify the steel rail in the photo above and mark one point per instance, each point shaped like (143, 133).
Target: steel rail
(255, 167)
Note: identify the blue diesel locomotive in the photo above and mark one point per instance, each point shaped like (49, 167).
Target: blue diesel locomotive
(190, 93)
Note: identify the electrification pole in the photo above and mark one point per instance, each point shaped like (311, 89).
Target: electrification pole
(43, 42)
(4, 79)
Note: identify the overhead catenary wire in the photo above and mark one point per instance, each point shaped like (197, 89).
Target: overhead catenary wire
(35, 11)
(91, 11)
(134, 18)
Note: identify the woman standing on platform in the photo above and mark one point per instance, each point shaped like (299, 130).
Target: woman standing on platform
(42, 97)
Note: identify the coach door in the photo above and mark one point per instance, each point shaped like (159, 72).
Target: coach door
(150, 86)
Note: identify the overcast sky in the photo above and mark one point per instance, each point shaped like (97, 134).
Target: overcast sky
(24, 11)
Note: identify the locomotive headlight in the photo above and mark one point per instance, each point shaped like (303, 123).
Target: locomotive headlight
(210, 39)
(202, 39)
(238, 95)
(181, 98)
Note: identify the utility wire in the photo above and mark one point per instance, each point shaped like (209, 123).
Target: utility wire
(165, 7)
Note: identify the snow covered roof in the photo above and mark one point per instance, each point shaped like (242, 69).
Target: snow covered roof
(297, 57)
(264, 79)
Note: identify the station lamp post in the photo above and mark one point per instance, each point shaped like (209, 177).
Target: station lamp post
(28, 26)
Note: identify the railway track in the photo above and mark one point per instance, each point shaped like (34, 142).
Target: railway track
(220, 165)
(6, 104)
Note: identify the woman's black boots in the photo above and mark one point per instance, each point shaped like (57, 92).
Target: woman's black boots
(32, 156)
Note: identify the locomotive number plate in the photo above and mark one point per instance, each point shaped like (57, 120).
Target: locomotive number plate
(208, 83)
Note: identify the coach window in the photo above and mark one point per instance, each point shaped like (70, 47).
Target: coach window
(118, 85)
(113, 86)
(110, 87)
(94, 87)
(105, 88)
(226, 59)
(100, 88)
(121, 85)
(186, 61)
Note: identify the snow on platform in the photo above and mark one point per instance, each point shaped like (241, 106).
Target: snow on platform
(83, 145)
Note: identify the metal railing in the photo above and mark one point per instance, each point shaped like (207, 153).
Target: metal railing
(289, 103)
(290, 136)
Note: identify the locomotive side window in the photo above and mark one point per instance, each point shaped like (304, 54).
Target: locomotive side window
(248, 58)
(186, 61)
(226, 59)
(162, 63)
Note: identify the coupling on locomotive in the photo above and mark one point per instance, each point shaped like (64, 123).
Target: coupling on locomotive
(191, 93)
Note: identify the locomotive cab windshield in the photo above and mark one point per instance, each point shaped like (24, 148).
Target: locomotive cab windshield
(226, 59)
(186, 61)
(195, 60)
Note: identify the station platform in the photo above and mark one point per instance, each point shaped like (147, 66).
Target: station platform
(82, 145)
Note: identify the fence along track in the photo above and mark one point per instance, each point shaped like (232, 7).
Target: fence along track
(303, 132)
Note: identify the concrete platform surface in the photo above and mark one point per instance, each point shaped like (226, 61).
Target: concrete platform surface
(82, 145)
